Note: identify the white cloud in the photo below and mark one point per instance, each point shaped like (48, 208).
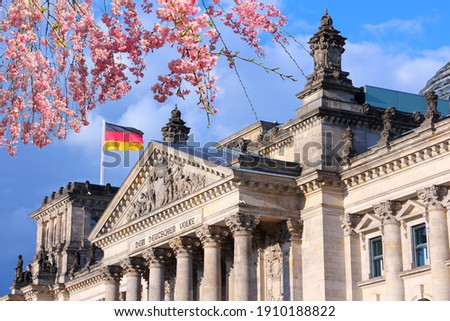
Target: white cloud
(397, 25)
(146, 116)
(89, 139)
(378, 65)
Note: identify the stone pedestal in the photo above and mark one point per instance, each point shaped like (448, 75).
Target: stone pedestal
(184, 248)
(242, 227)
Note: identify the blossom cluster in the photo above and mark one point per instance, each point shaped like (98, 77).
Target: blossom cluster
(59, 58)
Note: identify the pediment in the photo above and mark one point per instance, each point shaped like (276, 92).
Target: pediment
(410, 209)
(162, 176)
(368, 222)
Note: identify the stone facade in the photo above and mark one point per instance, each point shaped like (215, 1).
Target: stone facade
(347, 201)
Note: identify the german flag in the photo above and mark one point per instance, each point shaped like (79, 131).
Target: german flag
(122, 138)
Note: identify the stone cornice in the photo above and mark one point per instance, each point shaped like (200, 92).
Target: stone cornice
(378, 162)
(205, 195)
(277, 183)
(317, 180)
(273, 147)
(43, 214)
(84, 281)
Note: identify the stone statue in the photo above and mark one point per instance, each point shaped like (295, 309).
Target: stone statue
(348, 150)
(432, 115)
(75, 262)
(27, 274)
(387, 117)
(19, 272)
(41, 257)
(91, 258)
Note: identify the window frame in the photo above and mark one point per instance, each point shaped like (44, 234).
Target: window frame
(374, 259)
(419, 246)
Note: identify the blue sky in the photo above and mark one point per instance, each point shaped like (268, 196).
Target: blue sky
(392, 44)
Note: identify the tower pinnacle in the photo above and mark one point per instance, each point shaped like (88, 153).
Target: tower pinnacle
(175, 130)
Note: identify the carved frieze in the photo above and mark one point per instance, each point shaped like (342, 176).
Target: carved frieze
(166, 182)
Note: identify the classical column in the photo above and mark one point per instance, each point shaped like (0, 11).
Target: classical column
(111, 275)
(184, 248)
(156, 259)
(242, 227)
(352, 255)
(132, 269)
(211, 238)
(437, 241)
(386, 211)
(291, 245)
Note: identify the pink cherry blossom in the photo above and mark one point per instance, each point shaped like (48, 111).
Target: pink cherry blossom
(60, 60)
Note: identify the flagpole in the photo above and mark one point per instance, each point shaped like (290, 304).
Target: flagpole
(102, 153)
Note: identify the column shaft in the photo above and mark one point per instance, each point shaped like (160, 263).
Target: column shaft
(439, 253)
(184, 283)
(133, 286)
(393, 262)
(133, 267)
(111, 290)
(212, 277)
(184, 248)
(156, 282)
(111, 275)
(242, 267)
(242, 227)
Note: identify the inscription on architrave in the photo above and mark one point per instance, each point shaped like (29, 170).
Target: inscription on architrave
(165, 233)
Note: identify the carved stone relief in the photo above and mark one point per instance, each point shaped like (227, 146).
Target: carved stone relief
(273, 263)
(166, 182)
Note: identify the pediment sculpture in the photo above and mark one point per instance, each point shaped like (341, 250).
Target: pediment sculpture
(167, 181)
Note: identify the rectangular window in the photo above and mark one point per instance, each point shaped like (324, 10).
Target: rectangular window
(376, 257)
(420, 245)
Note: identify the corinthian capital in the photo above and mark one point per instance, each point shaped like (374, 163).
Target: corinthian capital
(184, 245)
(133, 265)
(212, 234)
(348, 222)
(111, 273)
(291, 230)
(155, 256)
(240, 223)
(432, 196)
(386, 211)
